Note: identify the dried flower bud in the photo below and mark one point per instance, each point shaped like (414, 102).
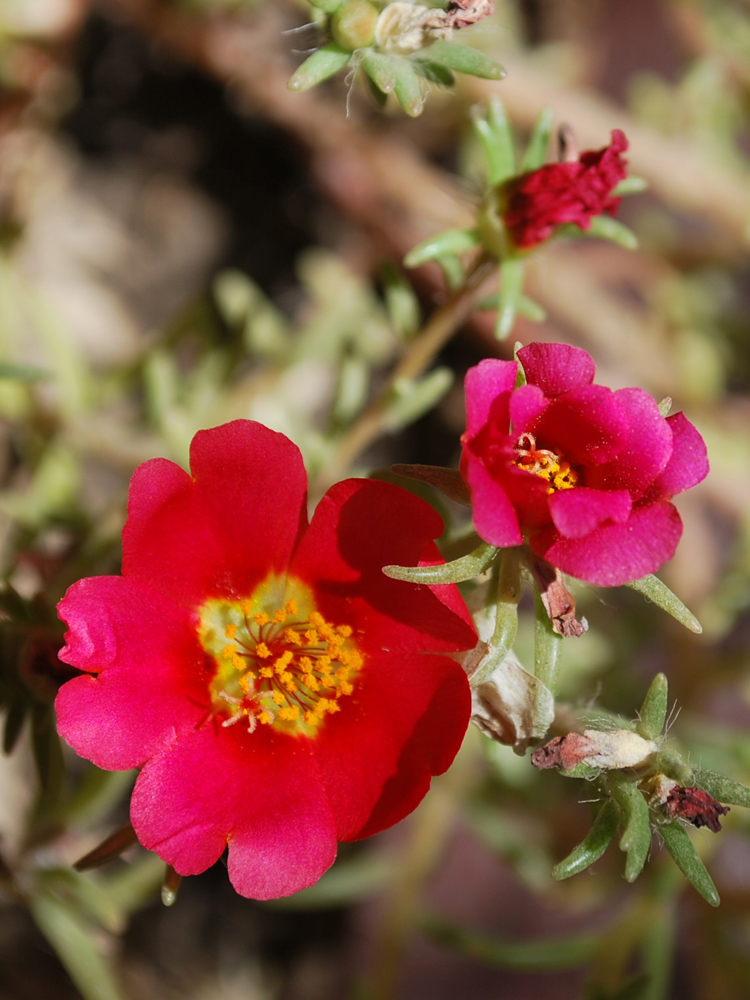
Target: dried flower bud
(404, 28)
(695, 806)
(608, 751)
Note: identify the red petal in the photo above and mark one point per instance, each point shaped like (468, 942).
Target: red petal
(495, 517)
(688, 464)
(483, 385)
(586, 426)
(526, 404)
(260, 792)
(221, 532)
(557, 368)
(151, 681)
(580, 511)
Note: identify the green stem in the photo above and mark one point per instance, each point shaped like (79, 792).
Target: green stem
(506, 615)
(547, 649)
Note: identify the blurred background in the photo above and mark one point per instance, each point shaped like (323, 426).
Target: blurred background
(183, 241)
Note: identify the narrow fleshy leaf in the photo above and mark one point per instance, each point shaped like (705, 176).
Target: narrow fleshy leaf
(401, 301)
(410, 400)
(607, 228)
(352, 388)
(71, 938)
(653, 713)
(653, 588)
(680, 846)
(636, 835)
(724, 789)
(453, 271)
(464, 59)
(109, 849)
(433, 72)
(671, 764)
(546, 955)
(327, 6)
(452, 241)
(497, 138)
(665, 406)
(465, 568)
(325, 62)
(450, 482)
(381, 69)
(511, 288)
(595, 843)
(408, 88)
(527, 307)
(536, 151)
(170, 886)
(630, 185)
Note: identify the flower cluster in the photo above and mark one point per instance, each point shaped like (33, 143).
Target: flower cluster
(559, 193)
(276, 690)
(584, 474)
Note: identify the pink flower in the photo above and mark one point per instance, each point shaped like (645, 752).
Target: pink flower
(583, 473)
(277, 691)
(561, 193)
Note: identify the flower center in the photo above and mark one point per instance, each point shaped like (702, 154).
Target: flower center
(545, 463)
(279, 662)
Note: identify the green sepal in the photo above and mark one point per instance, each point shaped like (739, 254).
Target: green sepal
(536, 151)
(594, 844)
(327, 6)
(381, 69)
(653, 713)
(685, 856)
(325, 62)
(511, 287)
(653, 588)
(724, 789)
(636, 835)
(407, 87)
(463, 59)
(465, 568)
(496, 136)
(584, 771)
(452, 241)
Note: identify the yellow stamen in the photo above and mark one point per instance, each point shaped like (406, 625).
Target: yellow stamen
(231, 630)
(291, 607)
(228, 652)
(265, 718)
(262, 651)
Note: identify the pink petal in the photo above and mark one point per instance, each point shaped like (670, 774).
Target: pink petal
(688, 464)
(644, 453)
(484, 383)
(360, 526)
(259, 792)
(404, 723)
(617, 553)
(580, 511)
(526, 404)
(151, 682)
(223, 530)
(557, 368)
(495, 519)
(586, 426)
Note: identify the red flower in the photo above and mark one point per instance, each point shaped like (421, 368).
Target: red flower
(565, 192)
(278, 692)
(584, 473)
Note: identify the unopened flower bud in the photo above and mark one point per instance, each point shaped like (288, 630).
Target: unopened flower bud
(353, 24)
(404, 28)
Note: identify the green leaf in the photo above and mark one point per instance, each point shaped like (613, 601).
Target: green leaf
(653, 713)
(381, 69)
(410, 399)
(72, 938)
(536, 151)
(449, 481)
(408, 88)
(607, 228)
(724, 789)
(636, 835)
(496, 136)
(327, 61)
(653, 588)
(685, 856)
(545, 955)
(434, 72)
(452, 241)
(595, 843)
(465, 568)
(327, 6)
(351, 390)
(630, 185)
(527, 307)
(464, 59)
(453, 271)
(23, 373)
(401, 302)
(512, 271)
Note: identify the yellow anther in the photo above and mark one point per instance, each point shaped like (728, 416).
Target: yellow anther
(327, 632)
(283, 662)
(291, 607)
(292, 637)
(229, 651)
(279, 697)
(266, 672)
(237, 662)
(311, 636)
(311, 718)
(322, 707)
(231, 630)
(290, 713)
(247, 607)
(265, 718)
(345, 687)
(333, 706)
(306, 664)
(342, 674)
(317, 619)
(279, 616)
(287, 680)
(324, 664)
(311, 682)
(246, 684)
(262, 651)
(344, 630)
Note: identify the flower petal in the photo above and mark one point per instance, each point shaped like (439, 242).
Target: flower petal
(578, 512)
(404, 723)
(260, 792)
(526, 404)
(360, 526)
(151, 682)
(557, 368)
(688, 463)
(495, 518)
(484, 383)
(223, 530)
(644, 453)
(586, 425)
(616, 553)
